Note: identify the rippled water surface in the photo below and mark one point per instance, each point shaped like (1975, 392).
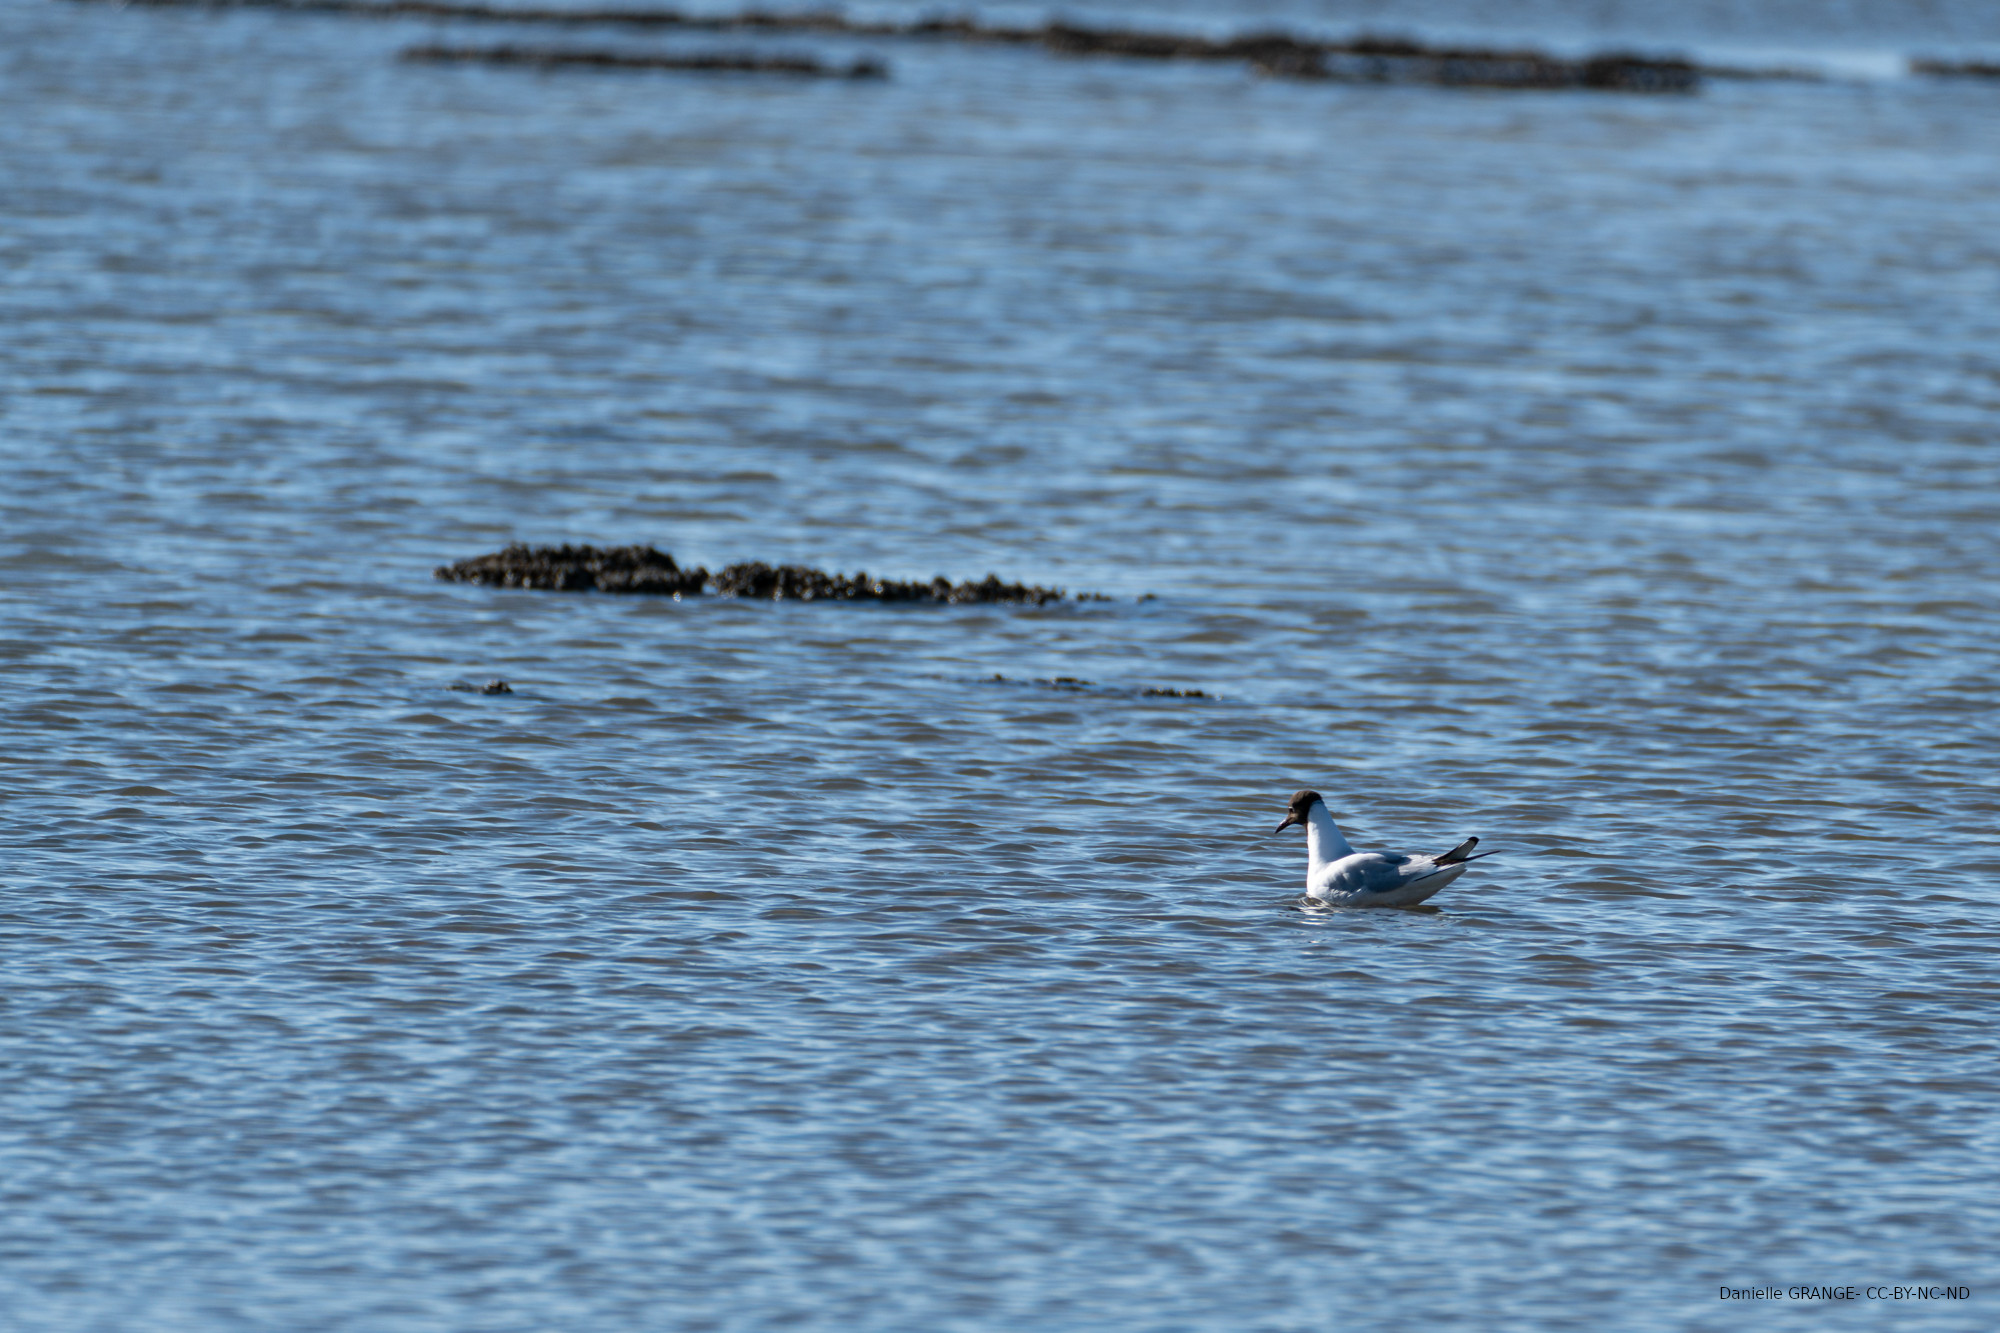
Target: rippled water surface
(1613, 478)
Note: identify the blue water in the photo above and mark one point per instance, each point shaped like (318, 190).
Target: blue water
(1612, 478)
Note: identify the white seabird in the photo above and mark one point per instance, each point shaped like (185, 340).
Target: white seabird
(1337, 875)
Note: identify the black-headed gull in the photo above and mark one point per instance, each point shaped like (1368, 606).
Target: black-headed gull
(1337, 874)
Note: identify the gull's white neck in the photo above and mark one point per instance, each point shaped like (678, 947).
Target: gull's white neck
(1324, 844)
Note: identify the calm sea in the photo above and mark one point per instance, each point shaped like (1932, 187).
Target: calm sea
(1610, 477)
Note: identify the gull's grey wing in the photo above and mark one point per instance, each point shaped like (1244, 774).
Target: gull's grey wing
(1372, 872)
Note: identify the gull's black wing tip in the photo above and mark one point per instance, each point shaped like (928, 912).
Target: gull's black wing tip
(1462, 852)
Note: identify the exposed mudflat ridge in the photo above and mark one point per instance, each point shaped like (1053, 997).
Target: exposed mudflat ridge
(700, 62)
(1955, 69)
(1362, 59)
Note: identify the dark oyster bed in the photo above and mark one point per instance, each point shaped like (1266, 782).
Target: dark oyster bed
(647, 570)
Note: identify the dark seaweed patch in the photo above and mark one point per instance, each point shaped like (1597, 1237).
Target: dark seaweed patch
(756, 579)
(622, 569)
(646, 570)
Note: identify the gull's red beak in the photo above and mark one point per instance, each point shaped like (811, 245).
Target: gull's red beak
(1291, 818)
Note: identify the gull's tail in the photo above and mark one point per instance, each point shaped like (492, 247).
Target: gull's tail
(1463, 853)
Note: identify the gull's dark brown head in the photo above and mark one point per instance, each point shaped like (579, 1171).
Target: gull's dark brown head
(1295, 813)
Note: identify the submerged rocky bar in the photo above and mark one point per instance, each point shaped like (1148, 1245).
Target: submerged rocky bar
(546, 58)
(1363, 59)
(647, 570)
(1076, 684)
